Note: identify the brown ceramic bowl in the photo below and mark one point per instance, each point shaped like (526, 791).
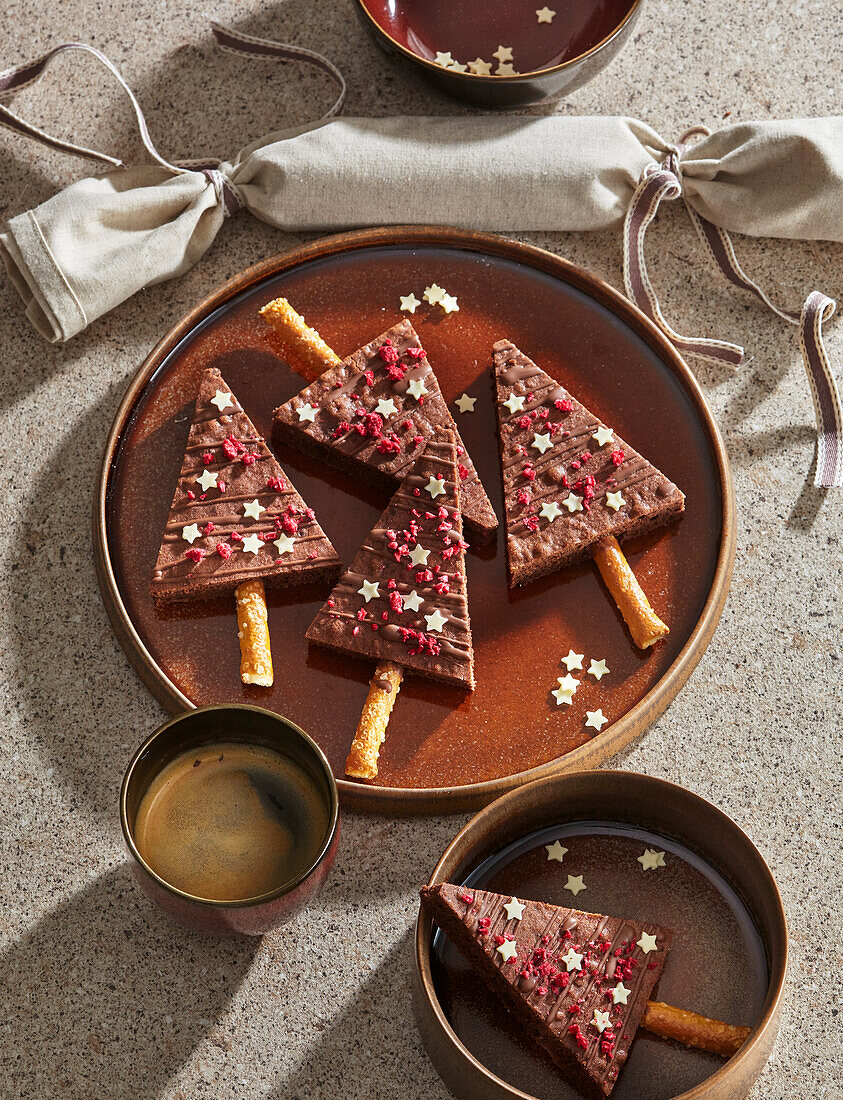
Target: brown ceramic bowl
(209, 725)
(464, 1036)
(550, 59)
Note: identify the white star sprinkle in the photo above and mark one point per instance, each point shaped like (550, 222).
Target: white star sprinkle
(651, 859)
(207, 481)
(386, 407)
(480, 67)
(603, 436)
(598, 669)
(435, 486)
(449, 304)
(444, 59)
(418, 555)
(191, 533)
(596, 719)
(306, 412)
(575, 884)
(566, 697)
(435, 621)
(572, 960)
(503, 53)
(573, 503)
(569, 683)
(505, 70)
(556, 851)
(514, 909)
(417, 388)
(465, 403)
(369, 590)
(253, 509)
(412, 601)
(615, 500)
(550, 510)
(285, 544)
(515, 403)
(251, 544)
(458, 67)
(541, 442)
(647, 943)
(572, 661)
(508, 950)
(601, 1020)
(620, 994)
(434, 294)
(545, 15)
(222, 400)
(409, 302)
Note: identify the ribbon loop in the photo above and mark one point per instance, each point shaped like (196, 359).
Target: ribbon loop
(659, 182)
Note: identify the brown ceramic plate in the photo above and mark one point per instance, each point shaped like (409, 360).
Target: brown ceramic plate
(728, 959)
(446, 749)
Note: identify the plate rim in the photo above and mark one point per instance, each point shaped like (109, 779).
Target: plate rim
(472, 796)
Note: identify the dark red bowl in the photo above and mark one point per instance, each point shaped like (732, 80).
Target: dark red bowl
(255, 726)
(549, 58)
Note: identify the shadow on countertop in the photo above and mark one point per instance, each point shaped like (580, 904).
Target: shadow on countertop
(91, 994)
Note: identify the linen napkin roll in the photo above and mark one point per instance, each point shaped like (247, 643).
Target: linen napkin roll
(99, 241)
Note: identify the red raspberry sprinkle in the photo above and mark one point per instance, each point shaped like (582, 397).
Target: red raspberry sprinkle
(617, 457)
(564, 405)
(191, 495)
(194, 554)
(221, 486)
(250, 459)
(463, 472)
(524, 497)
(275, 483)
(224, 550)
(236, 536)
(331, 603)
(233, 447)
(356, 631)
(467, 898)
(208, 528)
(524, 422)
(341, 429)
(406, 425)
(416, 353)
(207, 458)
(499, 940)
(361, 615)
(369, 375)
(396, 602)
(585, 457)
(575, 465)
(531, 523)
(389, 446)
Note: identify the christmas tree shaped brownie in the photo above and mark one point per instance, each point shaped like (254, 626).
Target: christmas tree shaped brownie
(235, 515)
(375, 411)
(569, 481)
(578, 982)
(403, 600)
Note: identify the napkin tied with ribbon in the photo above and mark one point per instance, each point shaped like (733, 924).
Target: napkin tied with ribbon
(102, 239)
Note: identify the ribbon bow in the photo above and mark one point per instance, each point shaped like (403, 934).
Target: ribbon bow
(664, 181)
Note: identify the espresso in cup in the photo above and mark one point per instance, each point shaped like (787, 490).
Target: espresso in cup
(231, 821)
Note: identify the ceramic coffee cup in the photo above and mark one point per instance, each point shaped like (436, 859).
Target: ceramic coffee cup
(192, 731)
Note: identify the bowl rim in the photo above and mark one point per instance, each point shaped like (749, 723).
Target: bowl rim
(431, 66)
(422, 934)
(236, 903)
(417, 800)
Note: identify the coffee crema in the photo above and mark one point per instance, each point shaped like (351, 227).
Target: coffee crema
(231, 821)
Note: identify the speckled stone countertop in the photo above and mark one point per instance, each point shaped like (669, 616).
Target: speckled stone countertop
(101, 996)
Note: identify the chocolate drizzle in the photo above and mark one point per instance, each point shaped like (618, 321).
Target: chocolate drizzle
(349, 428)
(575, 463)
(381, 604)
(215, 561)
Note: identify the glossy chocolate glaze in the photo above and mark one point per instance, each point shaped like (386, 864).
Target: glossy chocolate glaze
(716, 964)
(438, 736)
(475, 28)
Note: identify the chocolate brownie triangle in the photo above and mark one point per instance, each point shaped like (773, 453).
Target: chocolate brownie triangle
(568, 480)
(235, 514)
(404, 597)
(375, 412)
(578, 982)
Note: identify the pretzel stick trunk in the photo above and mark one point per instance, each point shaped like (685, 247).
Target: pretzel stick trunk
(644, 624)
(314, 355)
(253, 632)
(362, 762)
(693, 1030)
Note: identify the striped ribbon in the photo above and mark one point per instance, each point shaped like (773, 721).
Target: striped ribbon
(16, 79)
(660, 182)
